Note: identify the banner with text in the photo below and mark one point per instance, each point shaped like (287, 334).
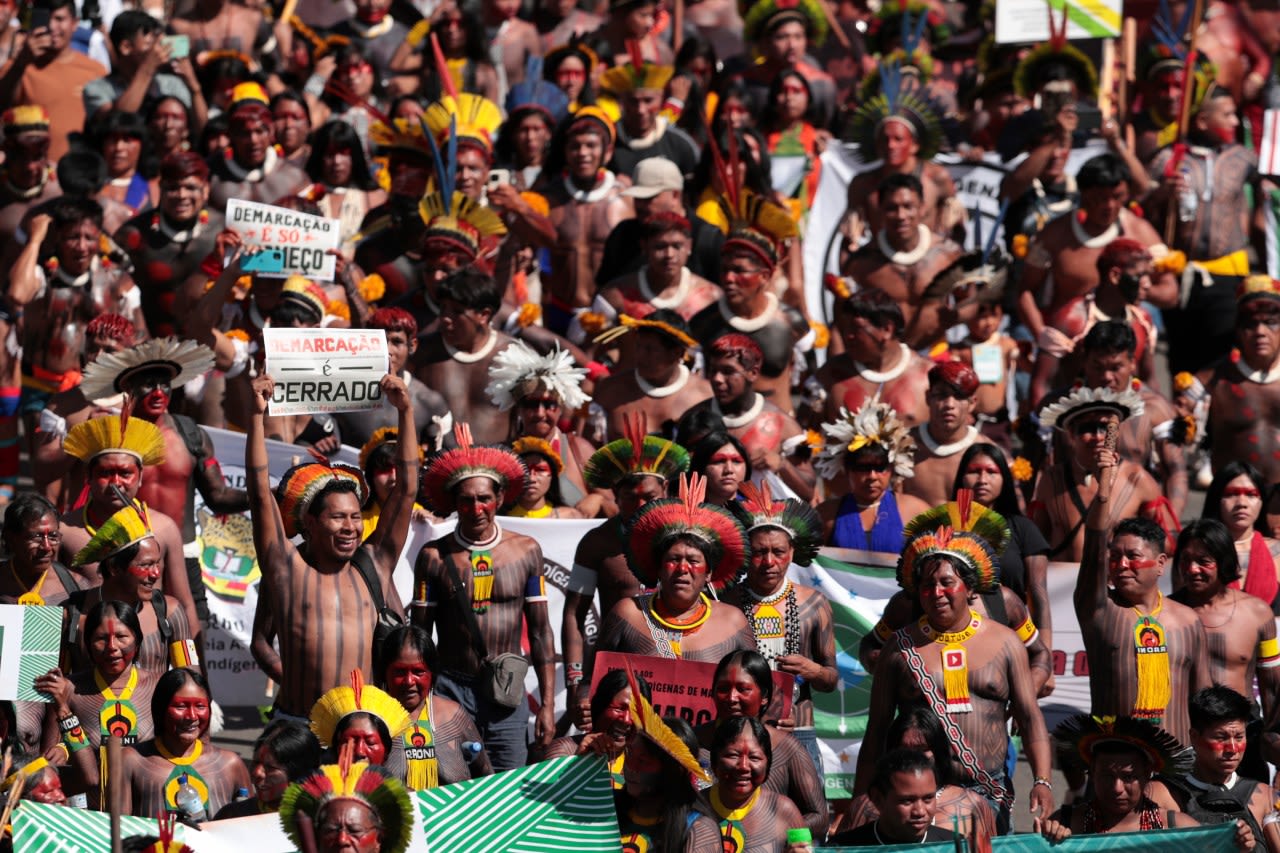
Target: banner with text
(30, 639)
(292, 243)
(682, 688)
(325, 370)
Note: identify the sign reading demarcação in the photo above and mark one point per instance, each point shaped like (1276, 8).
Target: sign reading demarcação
(325, 370)
(292, 243)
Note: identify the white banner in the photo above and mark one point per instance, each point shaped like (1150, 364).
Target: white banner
(1027, 21)
(325, 370)
(293, 243)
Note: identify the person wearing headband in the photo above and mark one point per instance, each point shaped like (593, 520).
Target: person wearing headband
(251, 168)
(948, 433)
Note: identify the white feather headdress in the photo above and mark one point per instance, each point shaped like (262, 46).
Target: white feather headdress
(520, 370)
(109, 373)
(874, 423)
(1127, 404)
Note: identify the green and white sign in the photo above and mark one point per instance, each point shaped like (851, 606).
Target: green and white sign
(1027, 21)
(29, 645)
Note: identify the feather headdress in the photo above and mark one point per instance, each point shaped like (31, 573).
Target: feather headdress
(111, 372)
(976, 276)
(140, 439)
(341, 702)
(533, 93)
(447, 469)
(750, 221)
(166, 836)
(1061, 412)
(1032, 72)
(903, 99)
(1084, 733)
(127, 526)
(453, 219)
(520, 370)
(636, 74)
(657, 524)
(528, 444)
(760, 17)
(649, 724)
(908, 23)
(25, 117)
(302, 291)
(302, 483)
(400, 135)
(373, 786)
(759, 511)
(874, 423)
(637, 454)
(385, 435)
(960, 529)
(468, 118)
(627, 323)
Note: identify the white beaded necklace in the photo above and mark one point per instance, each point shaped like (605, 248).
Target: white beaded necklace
(472, 357)
(905, 259)
(753, 412)
(659, 391)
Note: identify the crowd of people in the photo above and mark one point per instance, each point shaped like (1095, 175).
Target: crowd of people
(581, 229)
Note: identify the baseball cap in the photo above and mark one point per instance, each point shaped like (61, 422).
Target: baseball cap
(654, 175)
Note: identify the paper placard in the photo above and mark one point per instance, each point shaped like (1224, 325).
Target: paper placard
(30, 638)
(292, 242)
(988, 363)
(682, 688)
(1027, 21)
(325, 370)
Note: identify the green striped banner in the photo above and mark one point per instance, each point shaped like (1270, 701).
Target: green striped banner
(40, 828)
(41, 641)
(1199, 839)
(562, 804)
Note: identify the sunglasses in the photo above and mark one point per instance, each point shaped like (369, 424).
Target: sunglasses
(870, 467)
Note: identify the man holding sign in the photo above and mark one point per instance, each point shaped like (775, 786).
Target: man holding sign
(326, 597)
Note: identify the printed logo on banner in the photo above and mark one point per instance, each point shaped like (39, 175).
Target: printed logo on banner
(228, 562)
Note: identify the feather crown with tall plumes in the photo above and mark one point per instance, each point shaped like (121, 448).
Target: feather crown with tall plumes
(636, 454)
(520, 370)
(341, 702)
(373, 786)
(1031, 73)
(445, 470)
(302, 483)
(874, 422)
(535, 93)
(960, 530)
(754, 223)
(902, 98)
(657, 524)
(636, 75)
(797, 519)
(452, 218)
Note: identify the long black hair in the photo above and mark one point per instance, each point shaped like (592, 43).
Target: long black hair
(753, 664)
(921, 718)
(342, 135)
(678, 795)
(1006, 503)
(1225, 474)
(167, 687)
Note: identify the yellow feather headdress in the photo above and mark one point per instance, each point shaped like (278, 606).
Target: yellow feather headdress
(140, 439)
(478, 119)
(341, 702)
(649, 724)
(127, 526)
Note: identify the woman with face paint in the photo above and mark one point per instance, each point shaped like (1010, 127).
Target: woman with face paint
(1236, 498)
(435, 749)
(365, 717)
(658, 802)
(180, 755)
(112, 696)
(743, 687)
(285, 752)
(751, 816)
(542, 497)
(612, 728)
(42, 784)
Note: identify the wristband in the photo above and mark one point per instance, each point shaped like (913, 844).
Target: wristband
(1271, 819)
(314, 86)
(1040, 780)
(73, 735)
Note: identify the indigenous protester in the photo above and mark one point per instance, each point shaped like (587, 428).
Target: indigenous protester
(349, 806)
(284, 753)
(751, 816)
(948, 432)
(679, 547)
(1235, 498)
(362, 720)
(612, 728)
(905, 795)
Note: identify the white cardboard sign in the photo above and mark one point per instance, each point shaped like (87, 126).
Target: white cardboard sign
(293, 243)
(325, 370)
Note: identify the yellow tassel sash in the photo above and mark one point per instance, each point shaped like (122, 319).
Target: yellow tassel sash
(420, 753)
(1152, 655)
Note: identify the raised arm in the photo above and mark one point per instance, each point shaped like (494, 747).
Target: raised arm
(269, 539)
(1091, 585)
(218, 496)
(389, 536)
(24, 282)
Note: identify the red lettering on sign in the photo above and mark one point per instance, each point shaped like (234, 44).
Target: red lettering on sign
(1080, 666)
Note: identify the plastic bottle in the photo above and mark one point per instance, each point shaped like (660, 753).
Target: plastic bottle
(799, 840)
(471, 750)
(242, 794)
(190, 806)
(1188, 200)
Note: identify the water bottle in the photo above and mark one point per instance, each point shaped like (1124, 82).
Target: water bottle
(190, 806)
(471, 750)
(1188, 201)
(242, 794)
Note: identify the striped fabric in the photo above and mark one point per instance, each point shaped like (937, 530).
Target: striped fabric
(557, 805)
(41, 640)
(1199, 839)
(38, 828)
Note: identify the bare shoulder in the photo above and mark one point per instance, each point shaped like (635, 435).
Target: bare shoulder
(909, 506)
(1254, 608)
(1139, 228)
(1176, 613)
(733, 615)
(520, 540)
(786, 810)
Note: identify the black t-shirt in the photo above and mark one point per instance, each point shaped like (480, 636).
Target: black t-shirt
(1026, 541)
(622, 254)
(865, 836)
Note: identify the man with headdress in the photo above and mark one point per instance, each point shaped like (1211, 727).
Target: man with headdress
(901, 126)
(1122, 753)
(481, 587)
(1244, 406)
(792, 624)
(349, 806)
(1061, 262)
(455, 357)
(660, 387)
(905, 258)
(971, 670)
(1068, 486)
(584, 206)
(678, 547)
(777, 444)
(115, 452)
(1162, 77)
(1146, 654)
(783, 34)
(949, 432)
(1213, 231)
(166, 246)
(322, 503)
(760, 234)
(875, 360)
(643, 130)
(638, 468)
(872, 450)
(391, 234)
(251, 169)
(27, 178)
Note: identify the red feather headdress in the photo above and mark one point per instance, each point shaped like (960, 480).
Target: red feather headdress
(448, 469)
(659, 523)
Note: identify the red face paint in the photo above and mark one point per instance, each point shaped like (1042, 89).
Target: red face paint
(1116, 564)
(979, 468)
(1241, 492)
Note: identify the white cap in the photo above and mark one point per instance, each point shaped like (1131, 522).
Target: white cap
(654, 175)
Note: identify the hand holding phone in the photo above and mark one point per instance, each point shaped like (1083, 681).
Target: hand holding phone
(179, 46)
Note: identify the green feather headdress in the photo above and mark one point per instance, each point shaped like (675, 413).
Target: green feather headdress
(1083, 732)
(960, 529)
(373, 786)
(900, 99)
(637, 454)
(759, 511)
(658, 524)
